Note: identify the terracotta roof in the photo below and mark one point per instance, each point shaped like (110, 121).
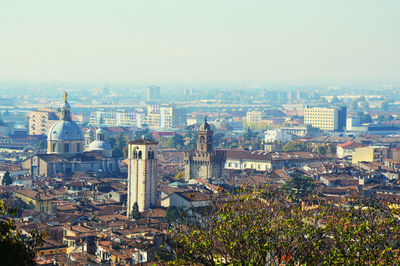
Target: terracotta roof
(157, 212)
(193, 196)
(271, 156)
(350, 145)
(143, 142)
(251, 155)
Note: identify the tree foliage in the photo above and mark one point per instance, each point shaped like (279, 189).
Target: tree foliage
(176, 141)
(249, 134)
(296, 146)
(145, 132)
(262, 227)
(299, 187)
(135, 214)
(118, 144)
(190, 137)
(7, 180)
(176, 215)
(15, 248)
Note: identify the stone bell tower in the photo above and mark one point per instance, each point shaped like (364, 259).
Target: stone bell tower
(142, 165)
(204, 162)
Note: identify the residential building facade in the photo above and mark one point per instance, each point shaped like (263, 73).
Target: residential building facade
(331, 119)
(41, 120)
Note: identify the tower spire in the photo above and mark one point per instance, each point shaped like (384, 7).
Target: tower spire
(65, 109)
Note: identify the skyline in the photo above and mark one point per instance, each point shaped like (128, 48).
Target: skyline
(187, 42)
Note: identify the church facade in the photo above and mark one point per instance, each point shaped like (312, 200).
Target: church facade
(66, 152)
(204, 162)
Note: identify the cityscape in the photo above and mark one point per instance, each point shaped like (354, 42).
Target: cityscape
(200, 157)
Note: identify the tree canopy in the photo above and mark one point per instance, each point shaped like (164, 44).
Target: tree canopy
(15, 248)
(135, 214)
(145, 132)
(177, 141)
(118, 145)
(264, 227)
(7, 180)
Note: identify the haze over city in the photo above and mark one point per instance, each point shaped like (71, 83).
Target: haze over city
(146, 42)
(166, 132)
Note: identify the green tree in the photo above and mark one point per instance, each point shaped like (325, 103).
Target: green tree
(111, 140)
(15, 248)
(43, 144)
(176, 215)
(299, 187)
(295, 146)
(135, 214)
(248, 230)
(118, 147)
(249, 134)
(190, 137)
(177, 141)
(139, 134)
(7, 180)
(322, 149)
(218, 138)
(331, 148)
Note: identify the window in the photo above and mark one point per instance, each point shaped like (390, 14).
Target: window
(140, 154)
(66, 147)
(78, 147)
(54, 147)
(135, 155)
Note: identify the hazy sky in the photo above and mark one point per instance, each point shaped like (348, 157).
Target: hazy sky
(199, 41)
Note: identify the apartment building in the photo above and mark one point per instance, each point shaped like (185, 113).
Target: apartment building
(117, 118)
(42, 119)
(332, 119)
(370, 154)
(254, 116)
(165, 117)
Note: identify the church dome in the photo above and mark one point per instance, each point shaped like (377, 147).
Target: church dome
(205, 126)
(99, 145)
(66, 131)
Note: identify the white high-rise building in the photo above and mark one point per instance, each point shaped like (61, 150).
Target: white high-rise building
(333, 119)
(142, 165)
